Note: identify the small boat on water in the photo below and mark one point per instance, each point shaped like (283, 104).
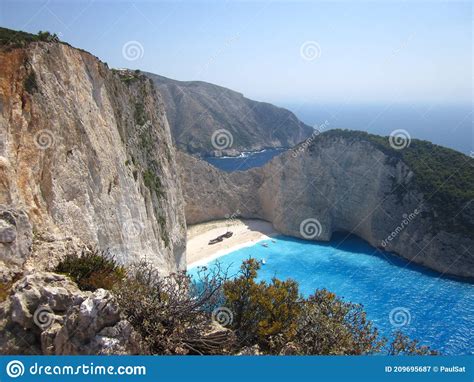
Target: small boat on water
(265, 245)
(263, 262)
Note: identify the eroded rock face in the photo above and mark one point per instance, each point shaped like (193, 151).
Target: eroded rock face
(334, 184)
(86, 154)
(47, 314)
(15, 241)
(210, 120)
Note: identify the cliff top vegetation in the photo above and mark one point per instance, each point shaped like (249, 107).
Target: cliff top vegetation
(444, 176)
(18, 39)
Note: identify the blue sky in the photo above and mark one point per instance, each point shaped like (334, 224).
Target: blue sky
(366, 51)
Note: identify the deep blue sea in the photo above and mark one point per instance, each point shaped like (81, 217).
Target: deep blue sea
(448, 125)
(445, 125)
(438, 311)
(244, 162)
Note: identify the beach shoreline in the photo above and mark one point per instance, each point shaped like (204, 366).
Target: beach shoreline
(246, 232)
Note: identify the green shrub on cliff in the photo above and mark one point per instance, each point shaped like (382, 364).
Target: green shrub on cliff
(30, 83)
(91, 270)
(18, 39)
(329, 325)
(176, 315)
(274, 315)
(262, 310)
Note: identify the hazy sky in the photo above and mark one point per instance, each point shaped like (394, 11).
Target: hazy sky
(355, 51)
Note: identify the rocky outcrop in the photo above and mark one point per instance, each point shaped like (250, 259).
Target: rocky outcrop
(338, 183)
(85, 157)
(47, 314)
(210, 120)
(15, 241)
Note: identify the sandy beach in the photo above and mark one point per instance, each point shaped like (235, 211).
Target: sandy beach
(246, 232)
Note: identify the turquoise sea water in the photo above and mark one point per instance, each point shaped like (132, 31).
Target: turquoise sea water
(438, 311)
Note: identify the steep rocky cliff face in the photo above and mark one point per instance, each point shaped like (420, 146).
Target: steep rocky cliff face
(85, 158)
(196, 110)
(339, 182)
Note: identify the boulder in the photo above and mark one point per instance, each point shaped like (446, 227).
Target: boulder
(250, 350)
(46, 313)
(15, 241)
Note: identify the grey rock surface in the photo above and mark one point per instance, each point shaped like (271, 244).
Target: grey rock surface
(15, 241)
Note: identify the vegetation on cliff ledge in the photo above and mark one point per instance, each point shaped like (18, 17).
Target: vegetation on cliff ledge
(214, 314)
(276, 318)
(17, 39)
(129, 77)
(91, 270)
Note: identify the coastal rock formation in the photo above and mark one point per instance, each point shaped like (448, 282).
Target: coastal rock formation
(86, 157)
(15, 241)
(196, 110)
(47, 314)
(349, 182)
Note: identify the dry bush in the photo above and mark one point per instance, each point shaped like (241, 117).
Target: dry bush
(172, 313)
(402, 345)
(6, 287)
